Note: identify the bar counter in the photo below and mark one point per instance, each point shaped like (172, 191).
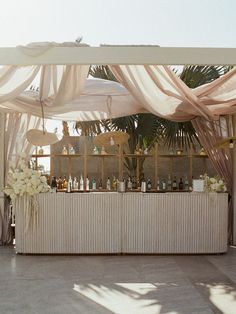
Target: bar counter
(132, 223)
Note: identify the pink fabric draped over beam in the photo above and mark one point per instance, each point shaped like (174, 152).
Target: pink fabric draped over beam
(163, 93)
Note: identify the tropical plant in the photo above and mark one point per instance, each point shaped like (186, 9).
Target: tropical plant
(146, 129)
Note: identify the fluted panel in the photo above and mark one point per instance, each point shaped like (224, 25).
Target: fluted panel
(72, 223)
(129, 223)
(175, 223)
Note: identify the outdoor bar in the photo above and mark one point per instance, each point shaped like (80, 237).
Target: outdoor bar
(106, 195)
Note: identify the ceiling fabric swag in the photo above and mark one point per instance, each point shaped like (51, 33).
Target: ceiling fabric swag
(67, 94)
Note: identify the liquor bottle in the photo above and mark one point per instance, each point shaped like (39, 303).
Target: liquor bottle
(100, 184)
(71, 150)
(143, 186)
(75, 184)
(114, 183)
(129, 184)
(87, 184)
(169, 184)
(186, 184)
(94, 185)
(60, 184)
(108, 184)
(65, 183)
(64, 150)
(149, 185)
(181, 184)
(134, 183)
(69, 185)
(81, 183)
(174, 184)
(158, 184)
(163, 184)
(54, 184)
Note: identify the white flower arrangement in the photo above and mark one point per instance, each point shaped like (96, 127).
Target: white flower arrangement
(25, 181)
(214, 184)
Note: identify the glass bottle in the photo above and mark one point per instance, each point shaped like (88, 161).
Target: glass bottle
(87, 184)
(60, 184)
(114, 183)
(169, 184)
(164, 185)
(181, 184)
(64, 150)
(81, 183)
(94, 185)
(54, 184)
(108, 186)
(143, 186)
(71, 150)
(129, 184)
(186, 184)
(69, 185)
(158, 184)
(41, 151)
(174, 184)
(100, 184)
(149, 185)
(65, 183)
(75, 184)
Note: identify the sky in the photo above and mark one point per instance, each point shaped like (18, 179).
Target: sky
(168, 23)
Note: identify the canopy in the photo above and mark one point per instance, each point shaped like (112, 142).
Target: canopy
(67, 94)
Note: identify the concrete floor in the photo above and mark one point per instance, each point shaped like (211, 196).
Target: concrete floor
(117, 284)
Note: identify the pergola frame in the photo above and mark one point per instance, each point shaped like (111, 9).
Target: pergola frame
(122, 55)
(119, 55)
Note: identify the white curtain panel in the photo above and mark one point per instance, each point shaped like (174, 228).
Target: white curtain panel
(17, 124)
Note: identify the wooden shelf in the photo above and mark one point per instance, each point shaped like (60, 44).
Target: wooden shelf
(199, 156)
(172, 155)
(138, 155)
(103, 155)
(68, 155)
(38, 156)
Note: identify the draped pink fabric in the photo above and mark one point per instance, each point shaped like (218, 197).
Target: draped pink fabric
(163, 93)
(211, 132)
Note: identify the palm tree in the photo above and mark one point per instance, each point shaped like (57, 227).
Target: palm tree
(146, 129)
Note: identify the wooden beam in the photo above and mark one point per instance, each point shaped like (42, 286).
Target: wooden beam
(122, 55)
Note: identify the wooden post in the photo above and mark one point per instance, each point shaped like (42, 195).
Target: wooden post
(2, 168)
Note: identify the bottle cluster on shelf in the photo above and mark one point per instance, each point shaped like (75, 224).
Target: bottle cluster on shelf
(129, 184)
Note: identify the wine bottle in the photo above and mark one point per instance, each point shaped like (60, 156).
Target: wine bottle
(186, 184)
(158, 184)
(54, 184)
(181, 184)
(174, 184)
